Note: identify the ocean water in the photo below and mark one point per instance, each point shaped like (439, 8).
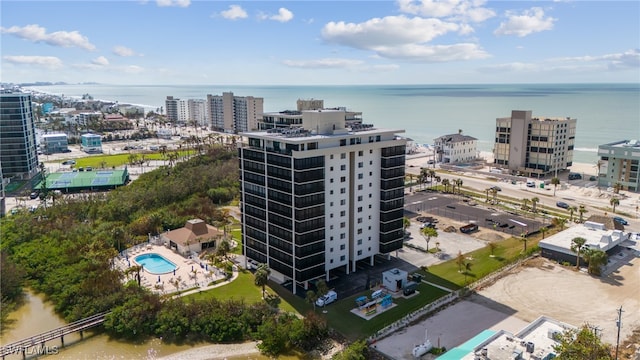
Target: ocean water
(605, 112)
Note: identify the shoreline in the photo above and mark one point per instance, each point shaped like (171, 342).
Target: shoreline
(215, 352)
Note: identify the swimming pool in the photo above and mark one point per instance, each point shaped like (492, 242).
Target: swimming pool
(155, 264)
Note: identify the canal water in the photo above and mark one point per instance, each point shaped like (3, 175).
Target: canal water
(37, 315)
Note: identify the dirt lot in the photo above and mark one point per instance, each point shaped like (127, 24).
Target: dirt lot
(539, 288)
(573, 297)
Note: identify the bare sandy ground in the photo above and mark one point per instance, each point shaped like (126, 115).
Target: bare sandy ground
(519, 298)
(215, 352)
(573, 297)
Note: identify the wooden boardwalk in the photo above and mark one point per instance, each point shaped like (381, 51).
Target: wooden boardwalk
(36, 342)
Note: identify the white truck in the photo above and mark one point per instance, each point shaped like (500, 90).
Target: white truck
(327, 298)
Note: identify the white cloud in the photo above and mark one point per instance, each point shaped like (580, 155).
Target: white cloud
(100, 61)
(50, 62)
(176, 3)
(36, 33)
(400, 37)
(283, 16)
(132, 69)
(624, 60)
(433, 53)
(123, 51)
(511, 67)
(387, 31)
(464, 10)
(326, 63)
(529, 22)
(235, 12)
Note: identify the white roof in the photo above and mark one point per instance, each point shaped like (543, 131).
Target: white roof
(595, 233)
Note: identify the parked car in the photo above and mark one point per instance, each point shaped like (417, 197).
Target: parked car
(496, 188)
(592, 178)
(620, 220)
(69, 162)
(327, 299)
(563, 205)
(531, 183)
(468, 228)
(34, 195)
(575, 176)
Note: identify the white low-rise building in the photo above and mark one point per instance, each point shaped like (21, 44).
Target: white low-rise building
(456, 148)
(597, 236)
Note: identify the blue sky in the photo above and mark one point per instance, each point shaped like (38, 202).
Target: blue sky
(319, 42)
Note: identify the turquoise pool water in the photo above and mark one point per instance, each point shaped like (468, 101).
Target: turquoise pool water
(155, 264)
(459, 352)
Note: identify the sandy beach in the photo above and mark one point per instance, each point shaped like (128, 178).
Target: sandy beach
(215, 352)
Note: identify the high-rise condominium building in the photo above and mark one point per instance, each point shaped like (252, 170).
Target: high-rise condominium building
(171, 105)
(234, 114)
(319, 196)
(18, 147)
(619, 163)
(534, 147)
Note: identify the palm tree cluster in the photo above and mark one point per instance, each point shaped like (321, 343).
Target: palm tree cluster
(595, 258)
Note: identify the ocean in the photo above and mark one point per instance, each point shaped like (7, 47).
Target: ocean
(604, 112)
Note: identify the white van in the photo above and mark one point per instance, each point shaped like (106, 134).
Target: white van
(531, 183)
(327, 299)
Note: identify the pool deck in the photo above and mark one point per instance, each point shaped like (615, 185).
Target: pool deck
(190, 273)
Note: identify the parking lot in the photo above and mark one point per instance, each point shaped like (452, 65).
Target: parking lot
(465, 210)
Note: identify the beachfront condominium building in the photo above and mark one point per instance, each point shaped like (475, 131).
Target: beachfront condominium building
(91, 143)
(619, 164)
(234, 114)
(18, 145)
(319, 196)
(54, 143)
(171, 108)
(455, 148)
(293, 118)
(534, 147)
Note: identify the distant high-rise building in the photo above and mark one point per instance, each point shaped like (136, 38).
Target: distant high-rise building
(234, 114)
(619, 163)
(171, 108)
(18, 146)
(319, 196)
(534, 147)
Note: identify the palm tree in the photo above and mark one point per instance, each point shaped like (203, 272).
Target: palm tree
(437, 246)
(460, 260)
(525, 204)
(571, 210)
(432, 174)
(543, 230)
(494, 193)
(555, 182)
(599, 164)
(597, 259)
(561, 222)
(445, 183)
(492, 247)
(614, 202)
(262, 276)
(405, 223)
(523, 237)
(582, 209)
(576, 246)
(428, 232)
(424, 175)
(321, 288)
(410, 182)
(487, 191)
(467, 269)
(459, 183)
(534, 203)
(617, 187)
(312, 297)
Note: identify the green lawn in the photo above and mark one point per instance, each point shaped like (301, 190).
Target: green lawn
(340, 318)
(241, 288)
(117, 160)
